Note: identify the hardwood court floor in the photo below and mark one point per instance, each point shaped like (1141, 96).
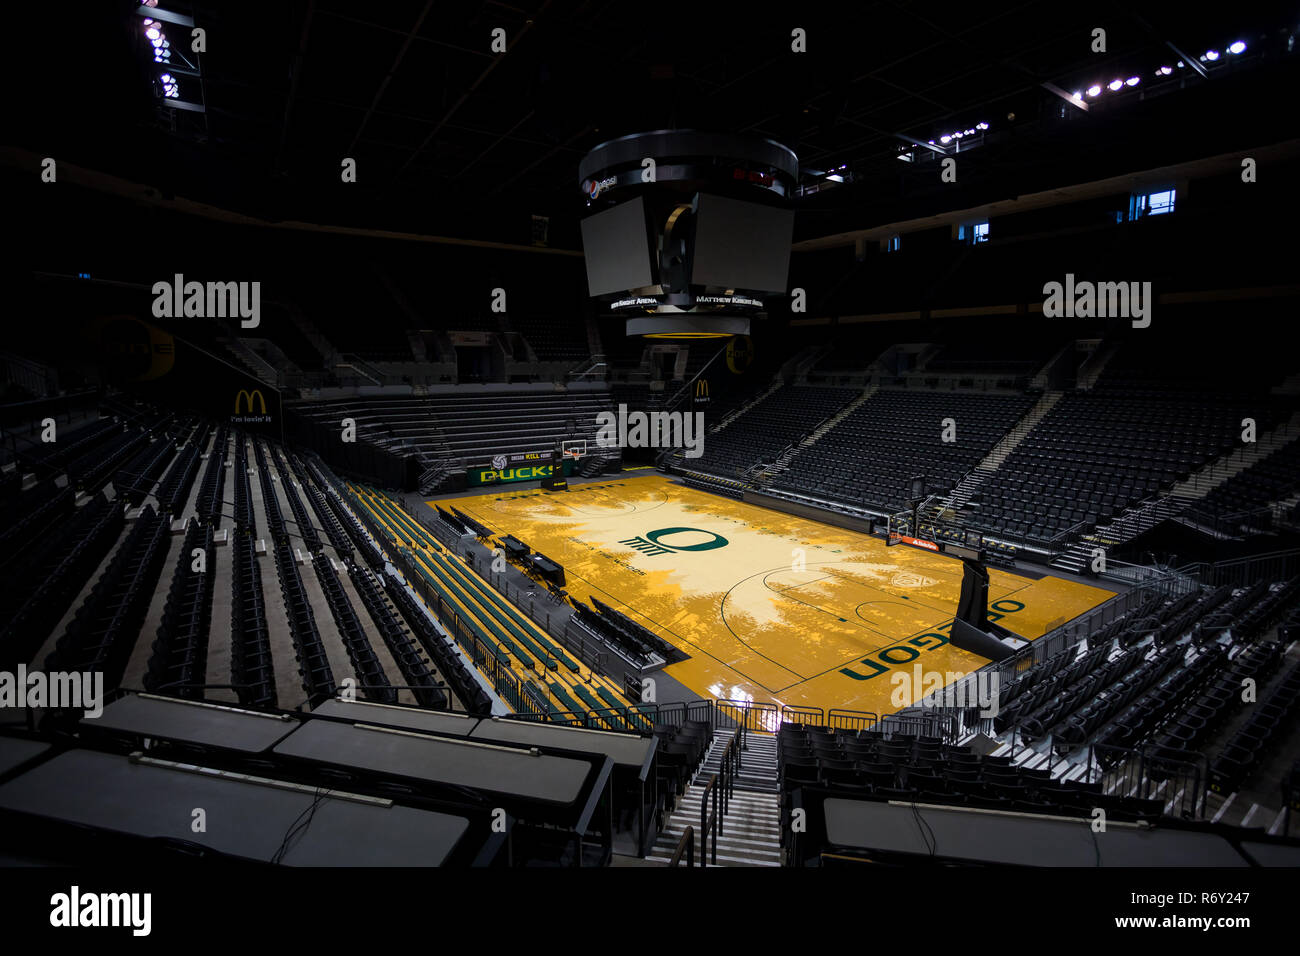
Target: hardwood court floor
(770, 607)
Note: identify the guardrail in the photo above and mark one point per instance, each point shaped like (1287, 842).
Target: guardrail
(1179, 779)
(1273, 566)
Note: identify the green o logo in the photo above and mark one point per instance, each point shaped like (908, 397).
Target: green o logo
(718, 540)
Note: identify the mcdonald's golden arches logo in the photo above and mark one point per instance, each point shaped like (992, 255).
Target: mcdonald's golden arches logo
(245, 397)
(702, 389)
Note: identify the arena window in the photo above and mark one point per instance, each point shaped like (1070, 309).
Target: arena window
(1151, 204)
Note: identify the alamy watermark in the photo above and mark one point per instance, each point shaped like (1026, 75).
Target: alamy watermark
(1098, 300)
(946, 689)
(57, 690)
(208, 300)
(651, 430)
(77, 909)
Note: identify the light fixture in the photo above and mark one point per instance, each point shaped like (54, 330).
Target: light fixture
(1164, 71)
(1237, 47)
(1211, 55)
(1115, 84)
(945, 139)
(1133, 81)
(1094, 90)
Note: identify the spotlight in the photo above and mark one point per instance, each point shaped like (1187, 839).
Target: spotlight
(1094, 90)
(1164, 71)
(945, 139)
(1181, 64)
(1133, 81)
(1115, 84)
(986, 125)
(1237, 48)
(1211, 55)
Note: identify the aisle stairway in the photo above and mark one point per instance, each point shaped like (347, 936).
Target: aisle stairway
(750, 835)
(977, 476)
(773, 471)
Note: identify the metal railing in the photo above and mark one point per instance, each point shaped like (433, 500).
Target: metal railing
(747, 715)
(719, 791)
(1273, 566)
(1179, 779)
(841, 719)
(684, 845)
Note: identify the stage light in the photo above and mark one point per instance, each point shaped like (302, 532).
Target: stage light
(1211, 55)
(1164, 71)
(1115, 84)
(153, 33)
(986, 125)
(1181, 64)
(1237, 47)
(945, 139)
(1094, 90)
(1133, 81)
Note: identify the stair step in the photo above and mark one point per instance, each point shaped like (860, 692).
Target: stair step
(723, 858)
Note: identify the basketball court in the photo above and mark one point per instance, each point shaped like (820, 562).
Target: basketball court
(770, 607)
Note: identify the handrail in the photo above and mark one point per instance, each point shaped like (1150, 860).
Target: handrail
(684, 845)
(721, 787)
(710, 823)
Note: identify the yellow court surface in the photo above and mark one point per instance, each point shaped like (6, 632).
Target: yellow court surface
(770, 607)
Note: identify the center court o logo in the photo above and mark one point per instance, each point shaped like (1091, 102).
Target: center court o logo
(651, 542)
(718, 540)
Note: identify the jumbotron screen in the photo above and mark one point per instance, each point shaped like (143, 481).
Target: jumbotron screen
(741, 245)
(617, 248)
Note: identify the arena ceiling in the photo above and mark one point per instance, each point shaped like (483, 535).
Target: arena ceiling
(452, 138)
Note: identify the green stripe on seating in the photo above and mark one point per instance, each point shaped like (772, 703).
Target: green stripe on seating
(499, 615)
(564, 697)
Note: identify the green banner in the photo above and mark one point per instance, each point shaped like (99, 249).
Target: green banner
(492, 476)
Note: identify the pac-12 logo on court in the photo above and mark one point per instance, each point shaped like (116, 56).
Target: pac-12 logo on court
(652, 543)
(498, 462)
